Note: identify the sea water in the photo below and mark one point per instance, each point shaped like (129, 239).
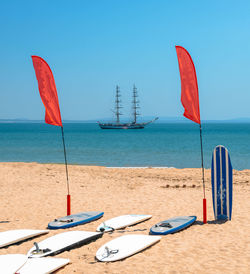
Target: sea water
(157, 145)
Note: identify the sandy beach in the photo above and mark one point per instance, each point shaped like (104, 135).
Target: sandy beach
(34, 194)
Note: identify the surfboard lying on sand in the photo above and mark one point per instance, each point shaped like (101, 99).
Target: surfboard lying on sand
(42, 265)
(122, 222)
(75, 219)
(172, 225)
(10, 263)
(222, 183)
(62, 242)
(125, 246)
(18, 235)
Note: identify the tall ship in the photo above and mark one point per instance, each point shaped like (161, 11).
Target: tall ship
(135, 106)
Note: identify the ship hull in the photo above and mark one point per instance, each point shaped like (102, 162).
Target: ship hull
(121, 126)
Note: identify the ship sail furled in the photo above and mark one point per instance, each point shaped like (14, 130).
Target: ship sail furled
(135, 105)
(130, 125)
(118, 104)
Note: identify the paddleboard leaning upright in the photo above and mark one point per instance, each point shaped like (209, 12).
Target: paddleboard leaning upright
(222, 183)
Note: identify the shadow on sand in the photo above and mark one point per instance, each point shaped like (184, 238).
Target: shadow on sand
(214, 222)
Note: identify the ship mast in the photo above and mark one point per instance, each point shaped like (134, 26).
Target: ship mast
(117, 105)
(135, 103)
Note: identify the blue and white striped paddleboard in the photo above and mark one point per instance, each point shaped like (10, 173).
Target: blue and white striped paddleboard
(222, 183)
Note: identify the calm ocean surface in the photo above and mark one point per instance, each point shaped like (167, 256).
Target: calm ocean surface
(159, 145)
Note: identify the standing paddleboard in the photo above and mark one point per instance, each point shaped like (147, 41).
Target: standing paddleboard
(222, 183)
(14, 236)
(122, 222)
(75, 219)
(125, 246)
(172, 225)
(10, 263)
(42, 265)
(62, 242)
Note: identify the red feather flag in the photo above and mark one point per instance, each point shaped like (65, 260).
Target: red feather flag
(48, 93)
(189, 86)
(190, 101)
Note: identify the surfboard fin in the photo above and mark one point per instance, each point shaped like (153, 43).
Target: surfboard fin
(110, 251)
(102, 229)
(38, 250)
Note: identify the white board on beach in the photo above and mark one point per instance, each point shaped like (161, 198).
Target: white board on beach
(10, 263)
(42, 265)
(18, 235)
(62, 242)
(122, 222)
(125, 246)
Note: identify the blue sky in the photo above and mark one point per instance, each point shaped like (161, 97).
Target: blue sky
(91, 46)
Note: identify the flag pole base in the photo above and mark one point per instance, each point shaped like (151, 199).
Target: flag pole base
(68, 205)
(204, 211)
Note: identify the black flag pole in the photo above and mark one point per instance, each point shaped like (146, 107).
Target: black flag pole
(203, 181)
(66, 166)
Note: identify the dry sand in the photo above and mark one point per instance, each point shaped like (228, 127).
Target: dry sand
(33, 194)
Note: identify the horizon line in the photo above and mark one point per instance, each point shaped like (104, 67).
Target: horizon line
(161, 120)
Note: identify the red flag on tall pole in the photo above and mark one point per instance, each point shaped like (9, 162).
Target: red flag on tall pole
(190, 101)
(48, 93)
(189, 85)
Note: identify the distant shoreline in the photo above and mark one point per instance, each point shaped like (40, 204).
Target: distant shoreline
(162, 120)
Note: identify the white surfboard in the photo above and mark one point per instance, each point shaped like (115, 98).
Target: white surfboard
(10, 263)
(61, 242)
(14, 236)
(42, 265)
(125, 246)
(122, 222)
